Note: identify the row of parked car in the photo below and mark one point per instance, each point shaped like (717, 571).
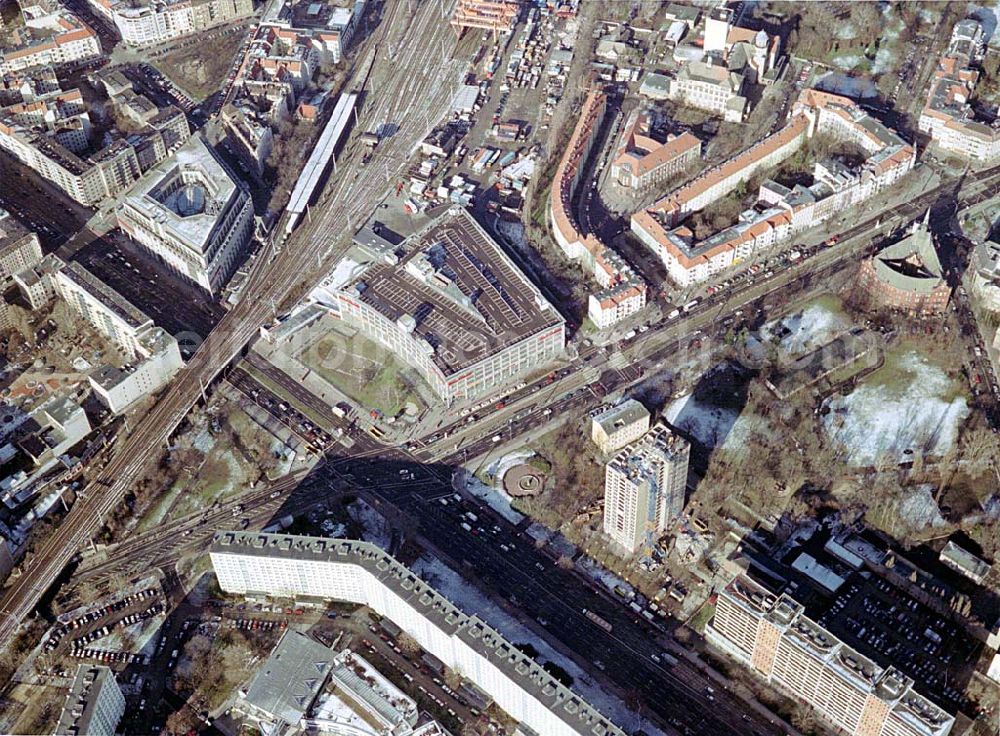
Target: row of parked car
(103, 655)
(97, 614)
(126, 621)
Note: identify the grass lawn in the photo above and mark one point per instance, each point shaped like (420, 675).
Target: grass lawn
(362, 369)
(200, 70)
(219, 477)
(898, 377)
(701, 618)
(155, 516)
(39, 707)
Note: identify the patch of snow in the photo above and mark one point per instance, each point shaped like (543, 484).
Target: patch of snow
(203, 441)
(376, 528)
(847, 85)
(883, 60)
(807, 329)
(919, 510)
(333, 529)
(495, 499)
(846, 31)
(470, 600)
(987, 17)
(847, 61)
(539, 532)
(707, 423)
(879, 419)
(562, 546)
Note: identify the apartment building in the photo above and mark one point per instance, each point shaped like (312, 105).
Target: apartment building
(192, 214)
(455, 308)
(88, 181)
(642, 161)
(948, 117)
(781, 212)
(248, 135)
(770, 635)
(622, 292)
(157, 21)
(985, 273)
(49, 38)
(19, 249)
(358, 572)
(36, 444)
(644, 488)
(615, 426)
(94, 705)
(906, 275)
(710, 87)
(153, 356)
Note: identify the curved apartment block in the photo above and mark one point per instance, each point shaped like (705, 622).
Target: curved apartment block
(780, 212)
(358, 572)
(622, 291)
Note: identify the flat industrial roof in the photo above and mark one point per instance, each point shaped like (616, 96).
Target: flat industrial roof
(291, 677)
(81, 699)
(466, 297)
(321, 154)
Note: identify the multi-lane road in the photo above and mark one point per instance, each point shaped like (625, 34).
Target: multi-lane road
(526, 578)
(415, 82)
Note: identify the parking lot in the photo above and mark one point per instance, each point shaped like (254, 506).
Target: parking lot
(879, 619)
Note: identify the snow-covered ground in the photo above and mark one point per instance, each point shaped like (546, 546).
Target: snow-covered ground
(914, 412)
(919, 510)
(539, 532)
(808, 328)
(844, 84)
(495, 499)
(708, 423)
(847, 61)
(450, 584)
(987, 17)
(376, 528)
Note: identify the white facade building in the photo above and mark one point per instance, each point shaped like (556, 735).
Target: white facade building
(435, 309)
(358, 572)
(159, 21)
(616, 426)
(189, 212)
(153, 354)
(644, 488)
(95, 704)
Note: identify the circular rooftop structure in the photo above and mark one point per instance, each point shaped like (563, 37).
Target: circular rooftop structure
(189, 200)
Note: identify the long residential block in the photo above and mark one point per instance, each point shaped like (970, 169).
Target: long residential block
(358, 572)
(781, 212)
(771, 635)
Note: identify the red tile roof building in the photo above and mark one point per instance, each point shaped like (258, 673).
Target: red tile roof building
(948, 117)
(781, 212)
(642, 160)
(622, 291)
